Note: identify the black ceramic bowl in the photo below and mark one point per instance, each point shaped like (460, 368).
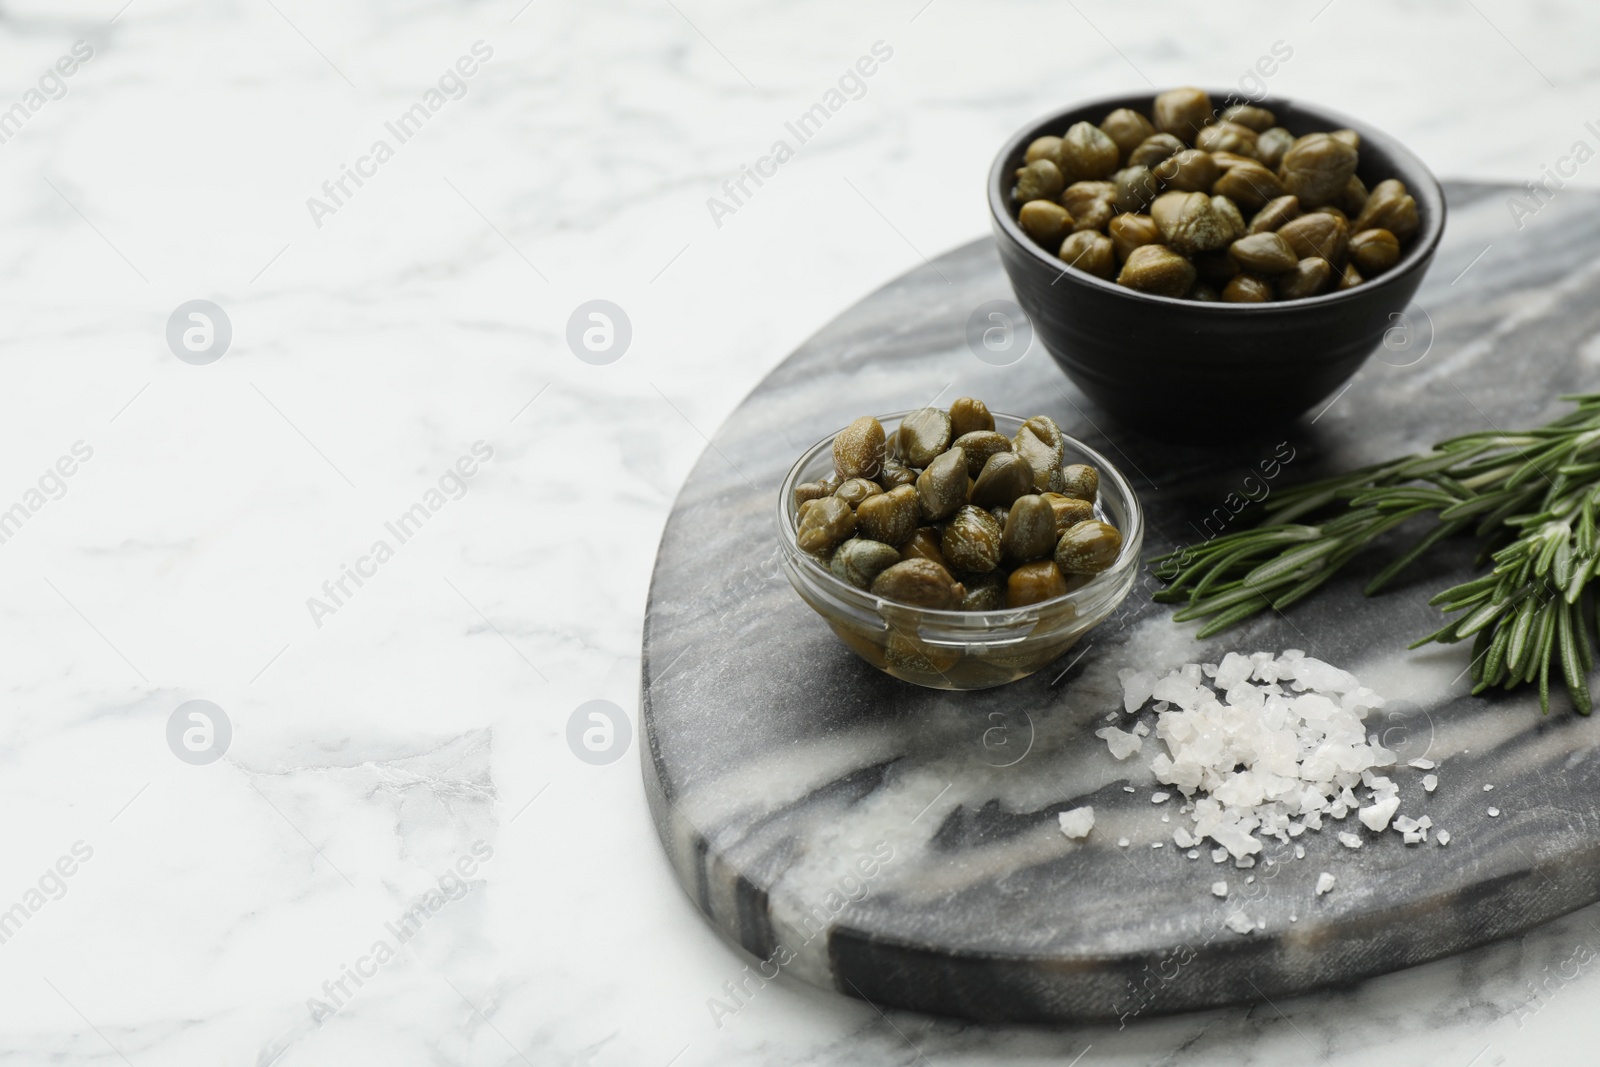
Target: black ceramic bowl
(1199, 371)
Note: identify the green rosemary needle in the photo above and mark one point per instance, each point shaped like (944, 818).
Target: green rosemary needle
(1530, 497)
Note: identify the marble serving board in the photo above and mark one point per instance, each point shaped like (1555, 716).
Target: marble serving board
(901, 844)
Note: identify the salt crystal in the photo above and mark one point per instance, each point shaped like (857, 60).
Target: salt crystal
(1159, 798)
(1430, 782)
(1076, 823)
(1349, 840)
(1249, 879)
(1157, 844)
(1121, 745)
(1376, 818)
(1245, 862)
(1424, 823)
(1422, 764)
(1219, 889)
(1193, 853)
(1136, 688)
(1494, 813)
(1141, 730)
(1123, 842)
(1488, 788)
(1218, 855)
(1183, 838)
(1299, 852)
(1129, 789)
(1443, 837)
(1239, 923)
(1325, 883)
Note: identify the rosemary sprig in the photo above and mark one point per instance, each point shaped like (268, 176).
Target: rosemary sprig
(1529, 497)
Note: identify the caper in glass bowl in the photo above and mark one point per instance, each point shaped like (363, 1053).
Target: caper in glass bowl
(935, 642)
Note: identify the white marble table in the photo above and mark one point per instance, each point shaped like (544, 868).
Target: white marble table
(400, 745)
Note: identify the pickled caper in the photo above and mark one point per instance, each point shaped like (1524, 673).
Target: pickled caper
(1041, 444)
(1033, 583)
(1045, 220)
(1131, 231)
(810, 491)
(942, 486)
(924, 544)
(1389, 207)
(1029, 532)
(985, 592)
(1081, 481)
(1250, 116)
(859, 561)
(923, 434)
(1091, 203)
(921, 583)
(969, 415)
(895, 474)
(1374, 251)
(1154, 149)
(971, 540)
(1086, 153)
(1004, 477)
(1068, 510)
(890, 517)
(1264, 253)
(1271, 144)
(1247, 288)
(1309, 277)
(1316, 168)
(825, 523)
(1182, 112)
(854, 490)
(1090, 252)
(1135, 188)
(1317, 234)
(1157, 269)
(1190, 222)
(1039, 180)
(1088, 548)
(1042, 148)
(1188, 171)
(1277, 212)
(979, 445)
(858, 449)
(1227, 137)
(1127, 129)
(1250, 185)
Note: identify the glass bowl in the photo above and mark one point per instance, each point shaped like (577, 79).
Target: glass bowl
(962, 649)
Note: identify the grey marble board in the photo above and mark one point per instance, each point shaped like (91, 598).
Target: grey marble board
(900, 844)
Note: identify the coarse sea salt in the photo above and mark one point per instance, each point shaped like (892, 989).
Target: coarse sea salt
(1263, 746)
(1325, 883)
(1076, 823)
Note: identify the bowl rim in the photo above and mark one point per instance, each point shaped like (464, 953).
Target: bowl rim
(1416, 257)
(1128, 557)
